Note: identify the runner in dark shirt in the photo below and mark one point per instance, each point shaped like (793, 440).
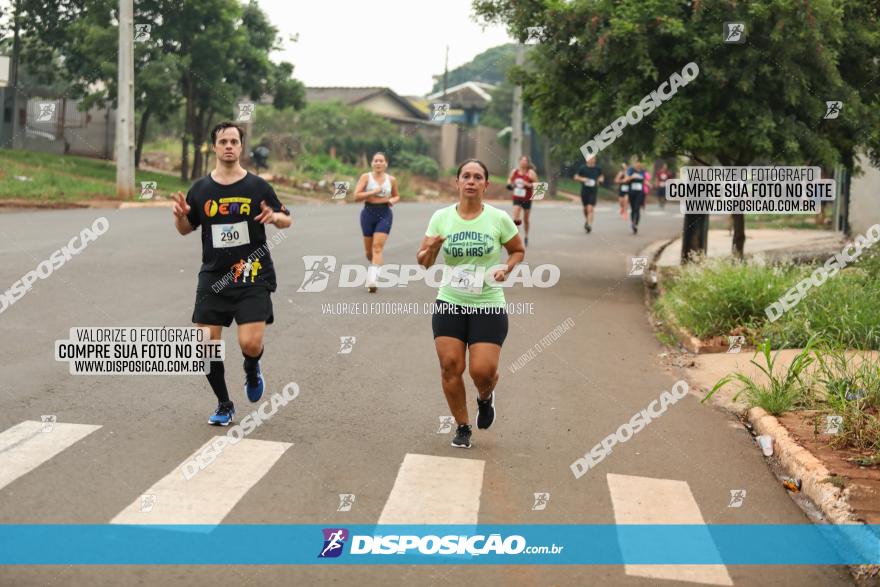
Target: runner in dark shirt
(635, 176)
(590, 176)
(232, 207)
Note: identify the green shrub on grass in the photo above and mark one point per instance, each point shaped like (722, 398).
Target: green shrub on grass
(320, 164)
(715, 297)
(418, 164)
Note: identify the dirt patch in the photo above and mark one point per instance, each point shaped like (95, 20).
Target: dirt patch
(47, 205)
(862, 482)
(161, 161)
(18, 204)
(444, 188)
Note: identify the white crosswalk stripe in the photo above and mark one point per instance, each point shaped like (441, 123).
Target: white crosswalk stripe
(27, 445)
(643, 500)
(435, 490)
(209, 494)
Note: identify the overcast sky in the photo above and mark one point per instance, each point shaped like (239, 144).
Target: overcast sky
(399, 44)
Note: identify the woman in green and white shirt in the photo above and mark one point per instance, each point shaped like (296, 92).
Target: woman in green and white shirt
(470, 308)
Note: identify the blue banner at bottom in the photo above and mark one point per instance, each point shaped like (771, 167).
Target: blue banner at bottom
(102, 544)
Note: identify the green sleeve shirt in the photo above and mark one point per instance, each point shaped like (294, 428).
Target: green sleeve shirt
(471, 249)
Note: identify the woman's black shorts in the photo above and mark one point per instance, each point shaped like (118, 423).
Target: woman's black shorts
(470, 325)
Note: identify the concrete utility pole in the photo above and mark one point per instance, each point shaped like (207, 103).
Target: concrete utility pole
(446, 74)
(8, 131)
(125, 103)
(516, 119)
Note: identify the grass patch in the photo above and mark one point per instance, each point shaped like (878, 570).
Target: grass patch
(66, 178)
(717, 296)
(725, 297)
(842, 385)
(850, 389)
(836, 480)
(844, 309)
(784, 390)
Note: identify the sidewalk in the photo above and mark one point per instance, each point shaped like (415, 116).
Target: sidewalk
(793, 241)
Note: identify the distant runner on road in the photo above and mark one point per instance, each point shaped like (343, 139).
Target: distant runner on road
(590, 176)
(470, 311)
(522, 181)
(233, 207)
(662, 177)
(622, 189)
(635, 176)
(378, 191)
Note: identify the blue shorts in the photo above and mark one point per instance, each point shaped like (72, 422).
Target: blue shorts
(376, 218)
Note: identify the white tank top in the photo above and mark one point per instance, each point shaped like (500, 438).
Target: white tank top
(373, 184)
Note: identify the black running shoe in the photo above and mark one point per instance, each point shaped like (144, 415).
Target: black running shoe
(485, 412)
(635, 228)
(589, 228)
(462, 436)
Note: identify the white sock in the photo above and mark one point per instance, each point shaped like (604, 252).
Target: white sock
(372, 273)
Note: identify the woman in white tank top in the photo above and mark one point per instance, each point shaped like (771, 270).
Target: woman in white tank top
(378, 191)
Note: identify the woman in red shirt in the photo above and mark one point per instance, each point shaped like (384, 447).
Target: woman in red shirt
(521, 181)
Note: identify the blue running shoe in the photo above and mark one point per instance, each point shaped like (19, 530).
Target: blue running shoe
(253, 385)
(223, 416)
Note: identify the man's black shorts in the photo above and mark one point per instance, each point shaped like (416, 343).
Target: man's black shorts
(244, 304)
(470, 325)
(588, 198)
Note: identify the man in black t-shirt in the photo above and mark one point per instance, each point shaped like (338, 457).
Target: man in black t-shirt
(635, 176)
(232, 207)
(590, 176)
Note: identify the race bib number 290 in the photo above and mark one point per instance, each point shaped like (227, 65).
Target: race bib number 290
(230, 235)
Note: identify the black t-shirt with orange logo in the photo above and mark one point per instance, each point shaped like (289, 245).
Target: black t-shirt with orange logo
(234, 251)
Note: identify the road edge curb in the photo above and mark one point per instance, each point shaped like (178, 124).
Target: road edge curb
(801, 464)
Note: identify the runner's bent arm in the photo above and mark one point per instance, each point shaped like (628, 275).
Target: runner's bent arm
(432, 242)
(273, 212)
(182, 210)
(395, 195)
(269, 216)
(429, 249)
(515, 254)
(532, 176)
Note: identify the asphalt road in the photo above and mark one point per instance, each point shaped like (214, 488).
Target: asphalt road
(360, 414)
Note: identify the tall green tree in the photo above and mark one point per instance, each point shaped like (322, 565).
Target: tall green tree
(224, 48)
(761, 101)
(202, 55)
